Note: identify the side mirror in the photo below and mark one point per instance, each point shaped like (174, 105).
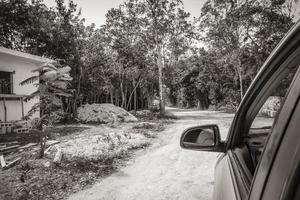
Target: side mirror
(202, 138)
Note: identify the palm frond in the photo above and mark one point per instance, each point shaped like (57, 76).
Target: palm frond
(65, 79)
(29, 80)
(32, 95)
(61, 84)
(35, 108)
(63, 94)
(56, 101)
(59, 92)
(45, 67)
(64, 70)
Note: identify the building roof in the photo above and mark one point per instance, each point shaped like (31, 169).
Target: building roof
(27, 56)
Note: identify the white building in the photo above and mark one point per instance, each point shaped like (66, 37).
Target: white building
(15, 67)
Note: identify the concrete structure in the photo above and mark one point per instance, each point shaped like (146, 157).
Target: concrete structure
(15, 67)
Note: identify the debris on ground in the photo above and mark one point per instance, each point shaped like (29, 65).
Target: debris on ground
(104, 113)
(12, 163)
(102, 145)
(58, 156)
(2, 161)
(12, 148)
(51, 142)
(78, 157)
(54, 153)
(7, 165)
(9, 149)
(27, 146)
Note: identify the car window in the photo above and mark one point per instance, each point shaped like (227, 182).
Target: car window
(271, 107)
(267, 115)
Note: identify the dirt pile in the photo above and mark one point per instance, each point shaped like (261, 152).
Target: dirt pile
(104, 113)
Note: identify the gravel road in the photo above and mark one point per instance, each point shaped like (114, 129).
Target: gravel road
(165, 171)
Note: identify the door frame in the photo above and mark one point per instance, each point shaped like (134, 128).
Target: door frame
(273, 142)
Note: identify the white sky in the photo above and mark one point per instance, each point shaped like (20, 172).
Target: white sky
(94, 10)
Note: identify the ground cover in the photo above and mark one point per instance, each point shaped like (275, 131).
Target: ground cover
(90, 152)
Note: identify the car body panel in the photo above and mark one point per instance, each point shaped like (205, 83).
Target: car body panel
(282, 180)
(224, 181)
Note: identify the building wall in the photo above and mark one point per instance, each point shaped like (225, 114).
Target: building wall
(23, 69)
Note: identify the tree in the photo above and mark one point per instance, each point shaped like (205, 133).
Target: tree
(57, 33)
(53, 84)
(150, 47)
(243, 33)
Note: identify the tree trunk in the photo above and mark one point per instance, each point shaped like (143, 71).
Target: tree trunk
(125, 98)
(135, 85)
(135, 101)
(77, 93)
(106, 98)
(117, 98)
(238, 68)
(122, 94)
(121, 77)
(239, 72)
(155, 8)
(142, 102)
(42, 133)
(111, 96)
(129, 107)
(160, 79)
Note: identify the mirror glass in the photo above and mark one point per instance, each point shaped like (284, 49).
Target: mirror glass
(202, 137)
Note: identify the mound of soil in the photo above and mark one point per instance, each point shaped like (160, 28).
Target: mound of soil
(104, 113)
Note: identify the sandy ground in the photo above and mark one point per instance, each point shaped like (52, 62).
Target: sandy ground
(165, 171)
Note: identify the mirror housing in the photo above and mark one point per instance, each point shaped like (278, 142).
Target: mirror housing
(202, 138)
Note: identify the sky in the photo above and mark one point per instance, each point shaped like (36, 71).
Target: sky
(94, 10)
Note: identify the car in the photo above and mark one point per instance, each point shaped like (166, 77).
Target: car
(260, 159)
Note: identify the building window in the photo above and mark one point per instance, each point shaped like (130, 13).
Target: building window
(6, 82)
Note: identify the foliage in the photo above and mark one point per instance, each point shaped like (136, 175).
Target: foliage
(122, 56)
(52, 86)
(151, 49)
(239, 35)
(57, 33)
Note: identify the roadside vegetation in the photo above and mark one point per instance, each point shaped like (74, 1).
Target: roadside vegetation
(105, 95)
(152, 50)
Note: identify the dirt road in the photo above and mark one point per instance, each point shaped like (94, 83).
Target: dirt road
(165, 171)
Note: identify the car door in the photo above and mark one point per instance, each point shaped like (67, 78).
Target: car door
(279, 178)
(242, 171)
